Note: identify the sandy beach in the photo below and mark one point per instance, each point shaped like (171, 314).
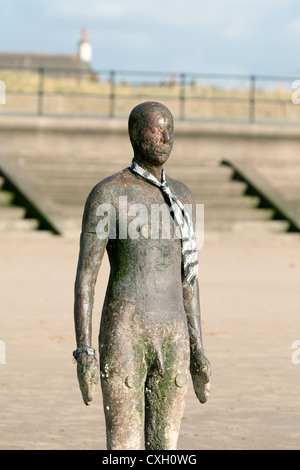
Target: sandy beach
(250, 300)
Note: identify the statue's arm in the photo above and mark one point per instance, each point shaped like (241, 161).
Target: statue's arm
(191, 304)
(91, 252)
(199, 364)
(89, 261)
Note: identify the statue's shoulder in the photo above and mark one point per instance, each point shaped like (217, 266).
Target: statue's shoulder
(108, 185)
(103, 193)
(181, 190)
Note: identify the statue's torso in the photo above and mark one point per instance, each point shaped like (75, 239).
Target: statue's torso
(145, 283)
(146, 261)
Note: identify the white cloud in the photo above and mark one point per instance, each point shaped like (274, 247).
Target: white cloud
(215, 35)
(237, 27)
(90, 10)
(294, 26)
(176, 13)
(231, 18)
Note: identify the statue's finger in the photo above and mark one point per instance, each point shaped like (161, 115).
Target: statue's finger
(206, 373)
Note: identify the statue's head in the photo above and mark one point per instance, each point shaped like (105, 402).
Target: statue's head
(150, 127)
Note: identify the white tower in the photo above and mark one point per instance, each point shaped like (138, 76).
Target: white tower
(85, 48)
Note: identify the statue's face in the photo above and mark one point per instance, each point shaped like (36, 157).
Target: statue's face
(157, 140)
(152, 136)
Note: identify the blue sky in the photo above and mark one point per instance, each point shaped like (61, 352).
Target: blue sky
(218, 36)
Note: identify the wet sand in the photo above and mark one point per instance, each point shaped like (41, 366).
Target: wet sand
(250, 301)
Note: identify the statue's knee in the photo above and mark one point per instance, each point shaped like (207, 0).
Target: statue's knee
(126, 380)
(181, 380)
(132, 381)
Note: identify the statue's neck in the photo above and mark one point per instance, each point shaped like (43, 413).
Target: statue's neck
(155, 171)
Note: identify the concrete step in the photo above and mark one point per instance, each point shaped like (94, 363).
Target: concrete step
(229, 226)
(118, 161)
(89, 172)
(231, 203)
(72, 211)
(5, 197)
(93, 177)
(235, 215)
(112, 164)
(76, 206)
(200, 191)
(210, 213)
(281, 238)
(250, 227)
(197, 174)
(289, 190)
(282, 182)
(12, 217)
(68, 181)
(77, 202)
(11, 212)
(259, 221)
(295, 202)
(85, 179)
(234, 188)
(11, 225)
(284, 170)
(273, 226)
(233, 198)
(68, 161)
(69, 207)
(68, 198)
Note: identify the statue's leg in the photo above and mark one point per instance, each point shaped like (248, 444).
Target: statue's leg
(123, 374)
(124, 414)
(165, 397)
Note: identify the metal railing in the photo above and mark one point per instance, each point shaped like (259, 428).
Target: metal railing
(112, 94)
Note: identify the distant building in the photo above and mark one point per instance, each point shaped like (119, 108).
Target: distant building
(84, 48)
(77, 65)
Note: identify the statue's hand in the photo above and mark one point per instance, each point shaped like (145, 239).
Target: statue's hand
(200, 372)
(88, 376)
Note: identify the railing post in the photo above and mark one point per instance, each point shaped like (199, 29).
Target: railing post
(112, 95)
(252, 98)
(41, 91)
(182, 97)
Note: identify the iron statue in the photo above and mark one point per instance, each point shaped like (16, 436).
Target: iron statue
(150, 334)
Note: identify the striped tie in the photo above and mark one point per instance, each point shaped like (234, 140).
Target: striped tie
(183, 221)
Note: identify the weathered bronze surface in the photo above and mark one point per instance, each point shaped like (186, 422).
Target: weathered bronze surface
(150, 333)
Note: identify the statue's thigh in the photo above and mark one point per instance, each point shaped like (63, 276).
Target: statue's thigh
(165, 400)
(122, 381)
